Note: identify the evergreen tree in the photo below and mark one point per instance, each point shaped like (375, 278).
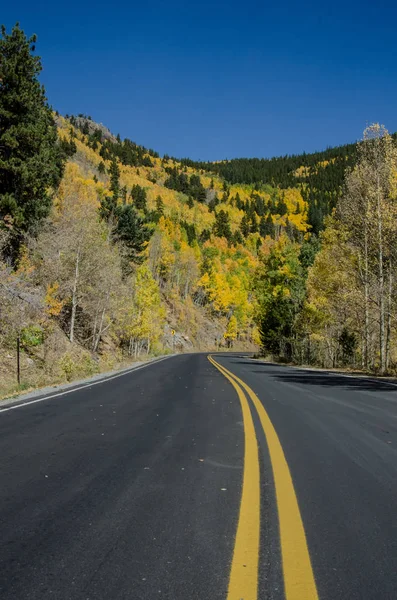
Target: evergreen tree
(259, 205)
(266, 226)
(31, 160)
(239, 203)
(205, 235)
(190, 202)
(190, 232)
(212, 204)
(290, 230)
(245, 225)
(281, 208)
(262, 227)
(159, 205)
(222, 225)
(237, 238)
(132, 232)
(123, 194)
(68, 148)
(138, 195)
(114, 172)
(101, 167)
(197, 189)
(254, 223)
(107, 208)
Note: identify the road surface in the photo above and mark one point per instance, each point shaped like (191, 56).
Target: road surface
(198, 479)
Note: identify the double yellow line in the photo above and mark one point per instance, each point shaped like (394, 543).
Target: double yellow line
(298, 575)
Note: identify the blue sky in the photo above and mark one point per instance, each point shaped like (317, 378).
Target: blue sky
(211, 80)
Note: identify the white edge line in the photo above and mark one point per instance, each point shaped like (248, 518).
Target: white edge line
(82, 387)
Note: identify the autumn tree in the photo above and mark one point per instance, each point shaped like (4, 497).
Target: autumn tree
(280, 291)
(74, 252)
(141, 322)
(231, 331)
(368, 208)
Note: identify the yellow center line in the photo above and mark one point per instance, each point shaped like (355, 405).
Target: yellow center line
(243, 582)
(298, 574)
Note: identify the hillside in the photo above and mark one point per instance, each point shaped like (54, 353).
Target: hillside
(319, 176)
(192, 274)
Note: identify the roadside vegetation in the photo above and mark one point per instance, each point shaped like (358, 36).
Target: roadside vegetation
(109, 252)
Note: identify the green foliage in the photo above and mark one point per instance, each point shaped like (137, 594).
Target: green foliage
(32, 336)
(127, 152)
(138, 195)
(114, 173)
(348, 344)
(266, 226)
(159, 205)
(181, 183)
(108, 205)
(245, 225)
(308, 252)
(31, 160)
(190, 230)
(68, 148)
(320, 184)
(132, 232)
(222, 225)
(68, 366)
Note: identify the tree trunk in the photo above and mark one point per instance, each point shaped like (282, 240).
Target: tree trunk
(366, 299)
(74, 296)
(100, 329)
(381, 283)
(389, 307)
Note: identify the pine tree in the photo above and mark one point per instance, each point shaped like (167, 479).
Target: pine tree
(190, 202)
(159, 205)
(123, 194)
(31, 160)
(245, 225)
(254, 223)
(222, 225)
(239, 202)
(114, 172)
(282, 208)
(138, 195)
(237, 238)
(133, 233)
(266, 226)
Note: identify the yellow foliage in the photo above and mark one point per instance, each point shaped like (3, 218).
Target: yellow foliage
(53, 304)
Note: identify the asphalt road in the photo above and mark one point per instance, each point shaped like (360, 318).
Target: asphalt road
(134, 488)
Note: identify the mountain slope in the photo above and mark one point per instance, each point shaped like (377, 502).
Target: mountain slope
(190, 283)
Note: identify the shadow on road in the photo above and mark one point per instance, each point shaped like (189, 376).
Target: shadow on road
(314, 378)
(286, 374)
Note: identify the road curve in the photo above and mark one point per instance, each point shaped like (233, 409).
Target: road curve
(134, 488)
